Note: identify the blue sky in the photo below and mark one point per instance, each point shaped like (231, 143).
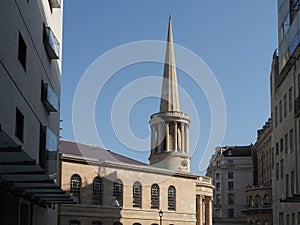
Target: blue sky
(236, 39)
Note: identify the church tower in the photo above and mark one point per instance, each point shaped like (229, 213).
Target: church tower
(170, 127)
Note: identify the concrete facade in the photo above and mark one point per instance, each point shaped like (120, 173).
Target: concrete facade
(26, 123)
(231, 169)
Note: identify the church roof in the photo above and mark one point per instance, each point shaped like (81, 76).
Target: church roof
(93, 152)
(169, 93)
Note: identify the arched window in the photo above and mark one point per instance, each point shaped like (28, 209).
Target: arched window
(97, 191)
(96, 223)
(74, 222)
(250, 201)
(267, 199)
(171, 198)
(154, 196)
(118, 193)
(257, 200)
(137, 195)
(75, 185)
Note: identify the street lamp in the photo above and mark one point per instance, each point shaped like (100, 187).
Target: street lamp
(160, 213)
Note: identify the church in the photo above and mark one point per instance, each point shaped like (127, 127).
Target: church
(111, 189)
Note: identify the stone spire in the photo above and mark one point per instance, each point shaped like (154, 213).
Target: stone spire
(169, 93)
(170, 127)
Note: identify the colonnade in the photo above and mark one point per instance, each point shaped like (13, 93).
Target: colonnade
(204, 210)
(170, 136)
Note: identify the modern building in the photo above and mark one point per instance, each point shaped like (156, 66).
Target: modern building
(231, 169)
(112, 189)
(30, 75)
(259, 196)
(285, 109)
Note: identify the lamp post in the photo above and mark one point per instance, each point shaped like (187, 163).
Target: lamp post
(160, 213)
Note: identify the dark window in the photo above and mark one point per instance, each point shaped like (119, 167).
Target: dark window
(280, 111)
(290, 99)
(24, 214)
(230, 199)
(218, 199)
(137, 195)
(74, 222)
(218, 186)
(286, 144)
(118, 193)
(96, 223)
(154, 196)
(276, 116)
(231, 213)
(230, 175)
(277, 148)
(281, 168)
(281, 221)
(293, 219)
(293, 183)
(217, 176)
(291, 140)
(22, 51)
(281, 145)
(19, 128)
(230, 186)
(277, 171)
(75, 186)
(97, 191)
(285, 105)
(288, 219)
(267, 199)
(171, 198)
(117, 223)
(287, 185)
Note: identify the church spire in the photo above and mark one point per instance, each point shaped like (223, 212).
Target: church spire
(169, 93)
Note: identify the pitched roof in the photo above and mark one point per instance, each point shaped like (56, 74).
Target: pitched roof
(93, 152)
(238, 151)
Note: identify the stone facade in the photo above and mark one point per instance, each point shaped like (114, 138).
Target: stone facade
(231, 169)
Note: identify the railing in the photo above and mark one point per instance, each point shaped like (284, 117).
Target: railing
(203, 179)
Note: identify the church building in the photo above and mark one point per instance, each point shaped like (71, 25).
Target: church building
(111, 189)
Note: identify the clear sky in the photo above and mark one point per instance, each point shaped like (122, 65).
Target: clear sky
(235, 38)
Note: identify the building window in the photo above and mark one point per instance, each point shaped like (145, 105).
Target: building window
(288, 219)
(290, 99)
(19, 126)
(287, 185)
(49, 97)
(281, 144)
(280, 111)
(277, 148)
(286, 144)
(118, 193)
(218, 164)
(51, 43)
(74, 222)
(96, 223)
(230, 185)
(276, 116)
(285, 105)
(137, 195)
(218, 176)
(75, 186)
(230, 199)
(230, 213)
(97, 191)
(281, 221)
(267, 199)
(277, 171)
(291, 140)
(24, 214)
(22, 51)
(218, 199)
(281, 168)
(293, 219)
(257, 200)
(230, 175)
(154, 196)
(171, 198)
(293, 183)
(218, 186)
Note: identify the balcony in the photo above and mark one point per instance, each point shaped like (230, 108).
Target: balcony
(51, 43)
(49, 98)
(55, 3)
(297, 107)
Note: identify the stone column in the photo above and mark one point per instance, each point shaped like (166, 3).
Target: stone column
(199, 213)
(167, 136)
(175, 136)
(182, 138)
(208, 211)
(187, 139)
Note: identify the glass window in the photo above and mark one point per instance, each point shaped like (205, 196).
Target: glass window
(230, 185)
(287, 185)
(281, 144)
(154, 196)
(75, 186)
(281, 168)
(286, 144)
(277, 171)
(293, 183)
(19, 126)
(22, 51)
(291, 140)
(293, 219)
(218, 186)
(230, 199)
(74, 222)
(285, 105)
(97, 191)
(137, 195)
(118, 193)
(218, 176)
(280, 111)
(231, 213)
(171, 198)
(230, 175)
(276, 116)
(281, 222)
(277, 148)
